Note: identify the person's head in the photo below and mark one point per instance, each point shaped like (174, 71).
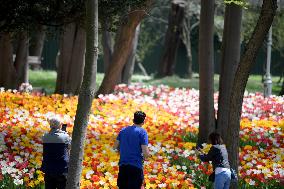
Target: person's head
(54, 123)
(139, 117)
(215, 138)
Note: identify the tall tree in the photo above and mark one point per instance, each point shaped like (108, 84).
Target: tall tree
(21, 59)
(107, 48)
(37, 42)
(124, 40)
(185, 37)
(229, 63)
(71, 60)
(128, 69)
(86, 96)
(7, 69)
(13, 70)
(172, 39)
(268, 11)
(206, 71)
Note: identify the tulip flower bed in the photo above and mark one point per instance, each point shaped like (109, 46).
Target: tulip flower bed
(172, 125)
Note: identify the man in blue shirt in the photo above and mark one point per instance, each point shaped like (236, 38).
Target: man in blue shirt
(132, 144)
(56, 145)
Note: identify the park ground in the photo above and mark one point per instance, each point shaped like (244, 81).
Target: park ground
(47, 80)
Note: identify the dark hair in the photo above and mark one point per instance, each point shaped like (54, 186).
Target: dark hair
(139, 117)
(215, 138)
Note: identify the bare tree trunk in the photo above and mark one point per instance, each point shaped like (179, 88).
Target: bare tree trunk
(186, 28)
(172, 39)
(261, 29)
(128, 69)
(86, 96)
(13, 73)
(206, 71)
(107, 48)
(21, 61)
(66, 45)
(229, 63)
(37, 43)
(282, 89)
(122, 50)
(71, 60)
(141, 67)
(8, 72)
(76, 69)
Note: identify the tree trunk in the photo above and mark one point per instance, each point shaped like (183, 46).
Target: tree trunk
(8, 72)
(13, 73)
(129, 66)
(71, 60)
(261, 29)
(229, 64)
(172, 39)
(122, 50)
(86, 96)
(21, 61)
(186, 28)
(206, 71)
(66, 45)
(37, 43)
(107, 49)
(281, 93)
(76, 69)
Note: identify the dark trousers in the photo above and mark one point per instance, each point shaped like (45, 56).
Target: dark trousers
(55, 181)
(130, 177)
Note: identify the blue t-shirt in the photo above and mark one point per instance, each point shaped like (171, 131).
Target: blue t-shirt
(130, 140)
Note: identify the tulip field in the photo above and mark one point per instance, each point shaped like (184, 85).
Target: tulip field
(172, 125)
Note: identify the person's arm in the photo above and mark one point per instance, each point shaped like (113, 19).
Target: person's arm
(145, 151)
(207, 157)
(144, 144)
(116, 145)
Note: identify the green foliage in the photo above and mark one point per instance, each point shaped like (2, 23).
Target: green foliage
(199, 178)
(113, 13)
(250, 20)
(190, 137)
(278, 32)
(242, 3)
(271, 184)
(153, 28)
(21, 15)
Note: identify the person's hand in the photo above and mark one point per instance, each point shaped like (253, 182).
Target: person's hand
(197, 152)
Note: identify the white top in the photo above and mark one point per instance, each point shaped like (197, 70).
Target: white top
(221, 169)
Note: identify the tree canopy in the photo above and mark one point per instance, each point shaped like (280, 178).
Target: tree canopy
(21, 14)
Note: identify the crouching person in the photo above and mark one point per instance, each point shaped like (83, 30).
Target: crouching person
(56, 146)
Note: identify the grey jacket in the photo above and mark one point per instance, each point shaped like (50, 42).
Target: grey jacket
(218, 155)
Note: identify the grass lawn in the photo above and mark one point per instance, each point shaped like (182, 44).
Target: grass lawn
(47, 80)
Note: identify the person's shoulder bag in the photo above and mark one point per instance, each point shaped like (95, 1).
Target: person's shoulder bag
(212, 177)
(234, 175)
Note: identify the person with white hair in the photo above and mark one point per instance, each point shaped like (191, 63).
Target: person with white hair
(56, 146)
